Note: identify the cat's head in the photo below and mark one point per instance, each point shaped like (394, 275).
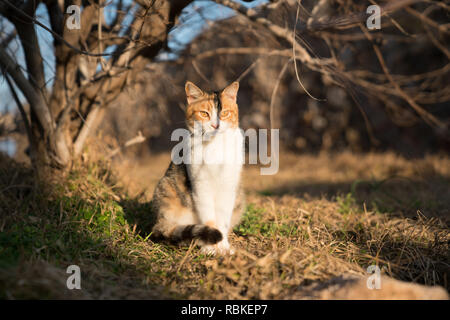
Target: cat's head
(215, 112)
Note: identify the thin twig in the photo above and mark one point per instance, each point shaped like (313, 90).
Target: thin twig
(138, 139)
(275, 89)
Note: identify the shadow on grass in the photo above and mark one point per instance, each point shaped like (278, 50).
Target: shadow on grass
(415, 212)
(139, 214)
(395, 195)
(402, 256)
(48, 226)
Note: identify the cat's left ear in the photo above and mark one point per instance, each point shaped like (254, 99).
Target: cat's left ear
(231, 91)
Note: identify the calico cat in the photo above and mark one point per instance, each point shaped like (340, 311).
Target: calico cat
(204, 200)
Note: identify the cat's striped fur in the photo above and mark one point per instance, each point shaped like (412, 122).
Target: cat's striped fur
(203, 201)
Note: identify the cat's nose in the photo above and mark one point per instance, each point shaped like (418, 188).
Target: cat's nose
(215, 126)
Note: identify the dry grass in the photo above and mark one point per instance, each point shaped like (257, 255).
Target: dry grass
(319, 217)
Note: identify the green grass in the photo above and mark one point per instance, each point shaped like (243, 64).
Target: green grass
(63, 228)
(347, 204)
(257, 222)
(78, 220)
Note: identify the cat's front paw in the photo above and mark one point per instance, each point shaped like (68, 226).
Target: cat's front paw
(220, 248)
(209, 250)
(224, 248)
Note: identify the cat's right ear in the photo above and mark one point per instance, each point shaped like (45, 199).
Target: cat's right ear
(192, 92)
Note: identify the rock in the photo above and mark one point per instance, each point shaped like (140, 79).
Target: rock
(353, 287)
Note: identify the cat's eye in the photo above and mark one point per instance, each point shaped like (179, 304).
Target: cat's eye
(204, 114)
(224, 114)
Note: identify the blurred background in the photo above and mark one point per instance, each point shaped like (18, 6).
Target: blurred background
(212, 45)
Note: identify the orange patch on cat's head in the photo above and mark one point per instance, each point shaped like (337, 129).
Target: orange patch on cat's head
(228, 99)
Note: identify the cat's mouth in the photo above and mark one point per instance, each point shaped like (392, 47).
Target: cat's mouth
(208, 131)
(205, 133)
(208, 134)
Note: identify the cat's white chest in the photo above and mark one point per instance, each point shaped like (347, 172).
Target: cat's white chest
(222, 159)
(225, 149)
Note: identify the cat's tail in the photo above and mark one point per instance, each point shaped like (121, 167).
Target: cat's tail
(201, 232)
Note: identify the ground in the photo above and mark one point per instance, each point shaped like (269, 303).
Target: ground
(320, 217)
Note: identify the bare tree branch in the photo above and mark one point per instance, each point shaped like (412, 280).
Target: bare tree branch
(138, 139)
(37, 102)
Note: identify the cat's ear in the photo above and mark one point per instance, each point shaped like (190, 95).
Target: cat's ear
(192, 92)
(231, 91)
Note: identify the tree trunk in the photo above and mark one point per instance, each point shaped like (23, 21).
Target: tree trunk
(60, 121)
